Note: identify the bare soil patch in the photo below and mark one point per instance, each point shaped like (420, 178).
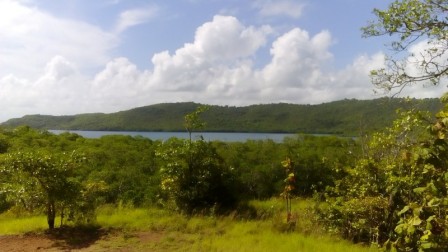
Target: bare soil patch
(67, 239)
(59, 239)
(17, 243)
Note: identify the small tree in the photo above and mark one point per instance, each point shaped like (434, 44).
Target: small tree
(289, 186)
(38, 180)
(193, 121)
(194, 177)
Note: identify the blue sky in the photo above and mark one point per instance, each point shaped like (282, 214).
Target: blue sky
(82, 56)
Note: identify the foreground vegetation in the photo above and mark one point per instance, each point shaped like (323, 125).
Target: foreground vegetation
(170, 231)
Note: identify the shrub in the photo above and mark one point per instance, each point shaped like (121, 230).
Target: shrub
(194, 178)
(359, 220)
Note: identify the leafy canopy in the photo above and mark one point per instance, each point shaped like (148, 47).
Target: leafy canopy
(420, 32)
(37, 179)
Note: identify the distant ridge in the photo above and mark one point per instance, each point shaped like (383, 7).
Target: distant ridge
(345, 117)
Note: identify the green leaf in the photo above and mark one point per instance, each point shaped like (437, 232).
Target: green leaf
(441, 114)
(400, 228)
(432, 187)
(441, 135)
(416, 221)
(445, 119)
(404, 210)
(434, 202)
(411, 230)
(419, 190)
(445, 202)
(426, 245)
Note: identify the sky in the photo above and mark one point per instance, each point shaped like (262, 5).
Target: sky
(82, 56)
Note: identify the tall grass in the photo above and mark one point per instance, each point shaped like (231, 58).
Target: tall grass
(140, 219)
(10, 224)
(175, 232)
(257, 236)
(208, 233)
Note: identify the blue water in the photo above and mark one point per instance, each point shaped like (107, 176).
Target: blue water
(209, 136)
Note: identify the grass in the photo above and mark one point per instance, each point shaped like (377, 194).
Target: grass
(258, 236)
(154, 229)
(10, 224)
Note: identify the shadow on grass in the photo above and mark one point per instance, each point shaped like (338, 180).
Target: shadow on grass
(79, 237)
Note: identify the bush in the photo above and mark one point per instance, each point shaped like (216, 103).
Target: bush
(194, 178)
(359, 220)
(397, 194)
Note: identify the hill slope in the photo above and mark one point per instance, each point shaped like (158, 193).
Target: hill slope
(348, 117)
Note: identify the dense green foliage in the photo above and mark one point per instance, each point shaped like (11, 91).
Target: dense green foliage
(397, 193)
(347, 117)
(399, 190)
(193, 176)
(37, 180)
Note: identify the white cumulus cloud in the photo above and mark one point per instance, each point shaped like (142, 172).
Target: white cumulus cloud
(222, 42)
(31, 37)
(120, 84)
(60, 89)
(297, 58)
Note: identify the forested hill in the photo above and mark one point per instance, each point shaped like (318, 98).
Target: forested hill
(348, 117)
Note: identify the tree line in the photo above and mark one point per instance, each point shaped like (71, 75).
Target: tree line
(346, 117)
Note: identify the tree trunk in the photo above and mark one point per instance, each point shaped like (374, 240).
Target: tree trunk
(51, 214)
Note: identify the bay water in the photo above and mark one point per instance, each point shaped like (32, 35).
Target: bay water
(208, 136)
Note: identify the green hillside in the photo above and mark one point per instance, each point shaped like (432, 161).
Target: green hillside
(347, 117)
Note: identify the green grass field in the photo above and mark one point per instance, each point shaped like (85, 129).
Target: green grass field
(18, 225)
(138, 229)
